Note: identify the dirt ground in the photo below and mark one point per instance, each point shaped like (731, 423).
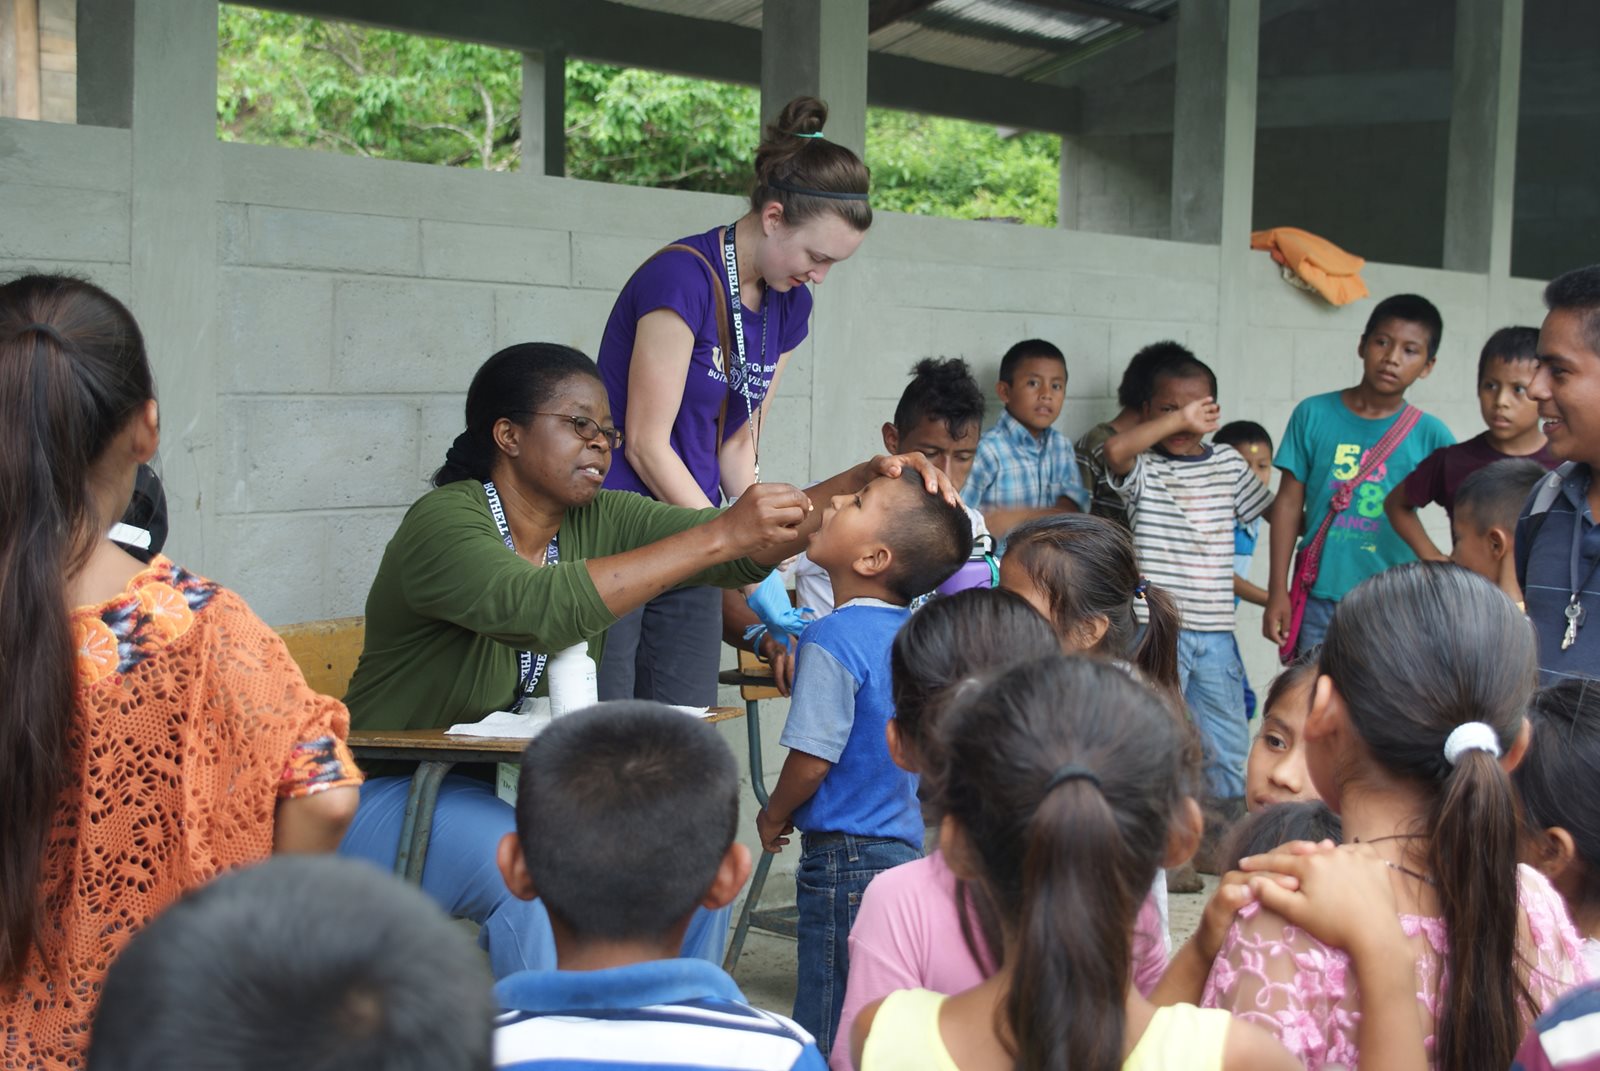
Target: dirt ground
(766, 971)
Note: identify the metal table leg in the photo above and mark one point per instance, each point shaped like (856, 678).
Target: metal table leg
(758, 785)
(417, 828)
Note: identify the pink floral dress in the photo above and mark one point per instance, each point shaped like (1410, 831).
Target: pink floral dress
(1288, 982)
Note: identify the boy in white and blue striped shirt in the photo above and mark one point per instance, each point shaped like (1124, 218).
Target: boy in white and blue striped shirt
(1185, 498)
(626, 815)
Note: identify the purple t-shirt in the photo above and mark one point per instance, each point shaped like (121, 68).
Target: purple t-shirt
(1439, 475)
(679, 282)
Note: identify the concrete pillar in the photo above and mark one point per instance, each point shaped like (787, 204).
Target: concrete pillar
(544, 112)
(176, 183)
(1214, 117)
(1480, 170)
(1071, 188)
(105, 63)
(817, 47)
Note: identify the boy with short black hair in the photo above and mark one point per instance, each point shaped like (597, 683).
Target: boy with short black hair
(857, 810)
(1558, 544)
(626, 815)
(1185, 499)
(1330, 438)
(1484, 525)
(1024, 467)
(301, 961)
(940, 416)
(1132, 393)
(1505, 369)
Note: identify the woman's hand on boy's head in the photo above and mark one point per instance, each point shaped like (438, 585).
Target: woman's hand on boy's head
(934, 479)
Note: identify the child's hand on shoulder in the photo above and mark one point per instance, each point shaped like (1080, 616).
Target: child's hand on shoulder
(773, 834)
(1341, 895)
(1201, 416)
(1233, 892)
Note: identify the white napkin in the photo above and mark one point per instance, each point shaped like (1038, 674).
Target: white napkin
(505, 725)
(511, 725)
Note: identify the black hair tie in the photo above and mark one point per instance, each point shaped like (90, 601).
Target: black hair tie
(1070, 772)
(832, 195)
(1140, 588)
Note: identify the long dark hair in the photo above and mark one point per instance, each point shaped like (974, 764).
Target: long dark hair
(789, 156)
(72, 373)
(951, 640)
(1415, 652)
(511, 384)
(1065, 776)
(1560, 775)
(1086, 565)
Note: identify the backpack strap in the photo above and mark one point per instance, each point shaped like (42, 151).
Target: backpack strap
(1544, 495)
(724, 332)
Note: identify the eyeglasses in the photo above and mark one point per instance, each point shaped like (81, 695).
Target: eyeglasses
(588, 430)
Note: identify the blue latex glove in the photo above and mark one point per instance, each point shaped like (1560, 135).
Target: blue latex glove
(770, 601)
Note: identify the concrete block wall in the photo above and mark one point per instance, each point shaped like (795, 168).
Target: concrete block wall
(355, 299)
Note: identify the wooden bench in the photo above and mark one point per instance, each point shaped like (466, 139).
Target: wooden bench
(326, 651)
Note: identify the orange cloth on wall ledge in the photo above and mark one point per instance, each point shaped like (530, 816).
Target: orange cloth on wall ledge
(1323, 266)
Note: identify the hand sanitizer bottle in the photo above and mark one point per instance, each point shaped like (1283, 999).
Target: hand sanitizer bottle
(572, 680)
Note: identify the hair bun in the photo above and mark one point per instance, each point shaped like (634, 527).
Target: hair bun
(802, 116)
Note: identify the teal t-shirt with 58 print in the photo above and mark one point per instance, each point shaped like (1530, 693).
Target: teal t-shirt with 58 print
(1324, 446)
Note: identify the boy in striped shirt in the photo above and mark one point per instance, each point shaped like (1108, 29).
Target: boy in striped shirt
(1184, 499)
(626, 814)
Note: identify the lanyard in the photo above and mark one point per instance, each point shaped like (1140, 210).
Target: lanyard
(730, 262)
(529, 667)
(1575, 613)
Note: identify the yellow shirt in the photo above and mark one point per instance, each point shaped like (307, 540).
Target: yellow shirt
(905, 1037)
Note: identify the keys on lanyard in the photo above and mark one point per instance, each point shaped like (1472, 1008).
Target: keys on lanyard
(1575, 614)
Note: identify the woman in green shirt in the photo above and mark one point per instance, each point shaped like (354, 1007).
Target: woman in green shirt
(517, 554)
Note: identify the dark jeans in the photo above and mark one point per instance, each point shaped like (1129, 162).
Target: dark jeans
(668, 650)
(834, 871)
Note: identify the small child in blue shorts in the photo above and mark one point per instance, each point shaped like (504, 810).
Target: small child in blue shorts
(857, 811)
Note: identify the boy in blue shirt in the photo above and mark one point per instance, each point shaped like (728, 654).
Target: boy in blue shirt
(856, 809)
(1025, 468)
(1324, 447)
(626, 814)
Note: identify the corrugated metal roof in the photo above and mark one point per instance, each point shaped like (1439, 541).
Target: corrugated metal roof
(1003, 37)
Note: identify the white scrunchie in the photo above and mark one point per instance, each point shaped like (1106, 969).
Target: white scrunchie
(1470, 736)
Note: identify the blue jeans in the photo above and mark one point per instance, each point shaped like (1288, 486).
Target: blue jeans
(462, 877)
(1212, 678)
(834, 871)
(1244, 678)
(1314, 625)
(668, 650)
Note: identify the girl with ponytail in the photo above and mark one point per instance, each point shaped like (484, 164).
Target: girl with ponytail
(153, 731)
(1080, 572)
(1416, 720)
(1067, 787)
(691, 358)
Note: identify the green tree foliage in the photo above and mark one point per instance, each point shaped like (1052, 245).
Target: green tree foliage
(302, 82)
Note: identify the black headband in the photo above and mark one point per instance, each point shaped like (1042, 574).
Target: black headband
(1070, 772)
(831, 195)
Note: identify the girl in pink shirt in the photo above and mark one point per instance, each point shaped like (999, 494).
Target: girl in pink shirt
(918, 926)
(1418, 715)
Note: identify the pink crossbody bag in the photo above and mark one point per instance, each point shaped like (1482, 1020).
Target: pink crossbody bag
(1308, 561)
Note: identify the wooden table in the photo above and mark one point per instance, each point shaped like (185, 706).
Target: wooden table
(436, 753)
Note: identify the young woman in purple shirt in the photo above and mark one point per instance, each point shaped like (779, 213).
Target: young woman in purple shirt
(690, 383)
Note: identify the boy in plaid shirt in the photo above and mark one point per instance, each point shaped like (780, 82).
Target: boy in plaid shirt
(1025, 468)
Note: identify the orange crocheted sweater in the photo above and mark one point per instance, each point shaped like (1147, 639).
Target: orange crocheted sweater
(193, 721)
